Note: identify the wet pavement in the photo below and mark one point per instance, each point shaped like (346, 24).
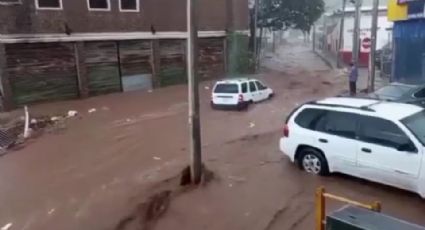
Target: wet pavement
(89, 175)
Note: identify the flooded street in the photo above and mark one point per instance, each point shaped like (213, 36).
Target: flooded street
(89, 175)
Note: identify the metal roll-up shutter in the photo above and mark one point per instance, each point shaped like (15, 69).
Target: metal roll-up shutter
(211, 57)
(41, 72)
(103, 74)
(172, 62)
(135, 63)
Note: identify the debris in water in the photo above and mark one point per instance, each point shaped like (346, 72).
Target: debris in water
(51, 211)
(237, 179)
(150, 91)
(7, 226)
(206, 87)
(157, 158)
(33, 121)
(92, 110)
(251, 124)
(105, 108)
(55, 118)
(72, 113)
(230, 185)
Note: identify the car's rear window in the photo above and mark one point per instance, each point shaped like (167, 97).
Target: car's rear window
(226, 88)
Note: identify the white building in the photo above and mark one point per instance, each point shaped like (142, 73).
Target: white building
(333, 24)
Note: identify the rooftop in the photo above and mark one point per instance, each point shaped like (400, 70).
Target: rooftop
(389, 110)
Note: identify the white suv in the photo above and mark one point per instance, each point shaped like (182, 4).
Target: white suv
(239, 93)
(375, 140)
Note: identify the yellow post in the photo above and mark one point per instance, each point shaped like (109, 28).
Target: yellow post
(376, 206)
(320, 209)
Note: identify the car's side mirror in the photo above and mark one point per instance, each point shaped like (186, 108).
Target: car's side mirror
(407, 147)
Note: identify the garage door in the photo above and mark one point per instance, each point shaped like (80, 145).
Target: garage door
(211, 57)
(135, 63)
(41, 72)
(172, 62)
(102, 68)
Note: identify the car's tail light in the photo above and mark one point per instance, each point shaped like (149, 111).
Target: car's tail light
(240, 98)
(286, 131)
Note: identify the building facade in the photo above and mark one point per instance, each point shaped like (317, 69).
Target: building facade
(384, 34)
(409, 40)
(62, 49)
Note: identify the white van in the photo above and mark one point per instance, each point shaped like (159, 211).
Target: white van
(239, 93)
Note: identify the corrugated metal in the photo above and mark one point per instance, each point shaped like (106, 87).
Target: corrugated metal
(135, 63)
(103, 72)
(211, 57)
(172, 62)
(41, 72)
(409, 51)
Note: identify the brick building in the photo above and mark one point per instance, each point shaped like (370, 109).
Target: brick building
(66, 49)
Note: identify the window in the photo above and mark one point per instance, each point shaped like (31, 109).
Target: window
(416, 124)
(252, 87)
(338, 123)
(420, 94)
(309, 117)
(99, 5)
(244, 87)
(226, 88)
(382, 132)
(260, 86)
(129, 5)
(10, 2)
(48, 4)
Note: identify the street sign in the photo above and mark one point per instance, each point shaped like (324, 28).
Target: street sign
(366, 43)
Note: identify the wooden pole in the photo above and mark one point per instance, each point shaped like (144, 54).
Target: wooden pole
(341, 35)
(320, 209)
(372, 52)
(193, 93)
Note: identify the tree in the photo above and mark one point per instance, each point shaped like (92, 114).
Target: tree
(287, 14)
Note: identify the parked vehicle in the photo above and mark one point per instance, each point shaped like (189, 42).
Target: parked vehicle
(376, 140)
(397, 92)
(239, 93)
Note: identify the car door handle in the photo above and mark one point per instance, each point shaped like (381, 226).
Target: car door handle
(366, 150)
(323, 140)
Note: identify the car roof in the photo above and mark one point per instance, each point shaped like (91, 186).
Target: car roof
(384, 109)
(234, 80)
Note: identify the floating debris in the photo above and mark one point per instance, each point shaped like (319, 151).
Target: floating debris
(72, 113)
(7, 226)
(92, 110)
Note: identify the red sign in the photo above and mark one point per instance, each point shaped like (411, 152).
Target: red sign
(366, 43)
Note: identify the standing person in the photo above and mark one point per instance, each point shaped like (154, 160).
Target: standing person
(352, 78)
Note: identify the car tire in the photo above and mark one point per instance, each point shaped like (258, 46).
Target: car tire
(213, 106)
(313, 161)
(243, 107)
(271, 95)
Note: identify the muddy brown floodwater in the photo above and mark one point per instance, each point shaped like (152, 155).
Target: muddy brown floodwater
(94, 173)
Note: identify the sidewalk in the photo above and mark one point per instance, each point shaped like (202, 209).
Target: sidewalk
(362, 84)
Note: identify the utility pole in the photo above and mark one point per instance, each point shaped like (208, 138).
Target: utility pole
(372, 53)
(314, 37)
(193, 94)
(256, 6)
(356, 31)
(341, 35)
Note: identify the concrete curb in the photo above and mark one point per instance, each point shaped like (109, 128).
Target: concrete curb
(324, 59)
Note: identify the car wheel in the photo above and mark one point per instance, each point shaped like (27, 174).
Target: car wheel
(271, 95)
(312, 161)
(213, 106)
